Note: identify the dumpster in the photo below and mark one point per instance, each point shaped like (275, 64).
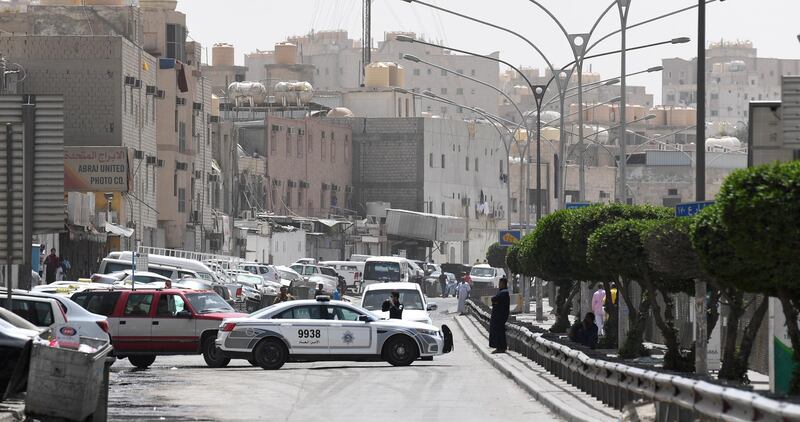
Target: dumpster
(65, 383)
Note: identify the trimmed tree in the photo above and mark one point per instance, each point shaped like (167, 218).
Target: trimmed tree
(544, 254)
(711, 240)
(579, 226)
(760, 207)
(496, 255)
(513, 263)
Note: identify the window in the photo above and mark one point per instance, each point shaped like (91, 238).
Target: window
(299, 147)
(139, 304)
(444, 72)
(467, 163)
(299, 198)
(430, 160)
(429, 71)
(476, 164)
(347, 147)
(501, 167)
(444, 91)
(288, 198)
(472, 91)
(169, 306)
(416, 72)
(399, 107)
(407, 107)
(472, 72)
(182, 137)
(37, 313)
(176, 42)
(175, 184)
(672, 192)
(288, 144)
(442, 160)
(181, 200)
(513, 204)
(333, 151)
(323, 151)
(443, 208)
(101, 304)
(310, 142)
(459, 91)
(300, 312)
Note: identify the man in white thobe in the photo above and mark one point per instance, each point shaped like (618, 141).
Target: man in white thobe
(462, 292)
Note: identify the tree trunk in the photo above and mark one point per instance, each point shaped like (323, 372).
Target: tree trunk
(610, 341)
(563, 305)
(729, 370)
(790, 312)
(673, 356)
(713, 311)
(750, 336)
(632, 346)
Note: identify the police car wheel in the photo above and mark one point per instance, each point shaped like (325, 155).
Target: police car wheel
(213, 355)
(270, 354)
(142, 362)
(400, 351)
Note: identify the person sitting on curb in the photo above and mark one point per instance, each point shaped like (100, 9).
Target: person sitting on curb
(585, 332)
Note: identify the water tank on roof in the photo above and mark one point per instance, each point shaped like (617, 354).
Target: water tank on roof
(222, 55)
(294, 93)
(285, 53)
(738, 66)
(727, 143)
(377, 75)
(340, 112)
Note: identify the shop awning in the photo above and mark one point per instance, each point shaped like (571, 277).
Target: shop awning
(118, 230)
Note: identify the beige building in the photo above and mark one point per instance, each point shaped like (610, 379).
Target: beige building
(223, 71)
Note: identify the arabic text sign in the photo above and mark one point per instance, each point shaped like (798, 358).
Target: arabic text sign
(691, 208)
(96, 169)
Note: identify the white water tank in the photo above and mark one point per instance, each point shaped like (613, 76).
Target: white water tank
(294, 93)
(254, 92)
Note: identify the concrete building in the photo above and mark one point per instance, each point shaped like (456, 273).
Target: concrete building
(336, 64)
(106, 83)
(438, 166)
(184, 140)
(735, 76)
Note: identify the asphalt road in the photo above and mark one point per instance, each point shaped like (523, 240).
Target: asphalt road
(460, 386)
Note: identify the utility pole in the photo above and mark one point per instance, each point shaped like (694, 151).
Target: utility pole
(701, 354)
(366, 38)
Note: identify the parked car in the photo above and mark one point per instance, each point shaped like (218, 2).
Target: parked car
(198, 267)
(146, 323)
(88, 324)
(314, 275)
(311, 330)
(385, 269)
(415, 305)
(111, 265)
(127, 277)
(15, 333)
(267, 272)
(484, 276)
(351, 271)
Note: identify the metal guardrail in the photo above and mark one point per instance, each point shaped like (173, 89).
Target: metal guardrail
(615, 384)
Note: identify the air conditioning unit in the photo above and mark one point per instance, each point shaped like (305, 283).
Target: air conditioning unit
(198, 174)
(277, 183)
(150, 160)
(213, 178)
(304, 184)
(181, 166)
(150, 90)
(180, 101)
(325, 186)
(160, 163)
(137, 84)
(195, 216)
(213, 119)
(348, 189)
(138, 154)
(291, 183)
(335, 188)
(197, 106)
(160, 94)
(130, 81)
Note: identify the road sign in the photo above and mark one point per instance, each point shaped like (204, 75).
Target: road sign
(691, 208)
(509, 237)
(576, 205)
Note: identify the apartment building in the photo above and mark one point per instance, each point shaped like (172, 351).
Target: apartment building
(735, 75)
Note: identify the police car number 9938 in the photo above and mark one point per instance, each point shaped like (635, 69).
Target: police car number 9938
(324, 329)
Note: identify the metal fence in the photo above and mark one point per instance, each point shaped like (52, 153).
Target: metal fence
(677, 397)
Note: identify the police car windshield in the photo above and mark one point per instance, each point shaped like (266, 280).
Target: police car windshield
(382, 271)
(410, 299)
(205, 303)
(482, 272)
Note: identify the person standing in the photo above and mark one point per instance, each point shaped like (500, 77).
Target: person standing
(598, 302)
(51, 266)
(283, 296)
(393, 306)
(462, 291)
(501, 308)
(443, 283)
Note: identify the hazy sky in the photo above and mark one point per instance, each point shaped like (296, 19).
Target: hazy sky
(772, 26)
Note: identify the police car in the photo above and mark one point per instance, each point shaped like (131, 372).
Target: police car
(323, 329)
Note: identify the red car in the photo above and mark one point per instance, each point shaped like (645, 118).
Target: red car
(146, 323)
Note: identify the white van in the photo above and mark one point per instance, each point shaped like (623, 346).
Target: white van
(386, 269)
(483, 275)
(352, 272)
(110, 265)
(198, 267)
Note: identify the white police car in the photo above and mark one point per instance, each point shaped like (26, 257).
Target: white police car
(322, 329)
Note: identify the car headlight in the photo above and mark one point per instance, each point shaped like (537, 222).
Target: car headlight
(429, 332)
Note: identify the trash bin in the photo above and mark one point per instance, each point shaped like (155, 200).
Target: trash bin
(65, 383)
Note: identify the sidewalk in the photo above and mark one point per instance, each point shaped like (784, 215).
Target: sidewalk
(560, 397)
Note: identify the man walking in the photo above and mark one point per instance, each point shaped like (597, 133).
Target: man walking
(393, 306)
(501, 307)
(283, 296)
(462, 291)
(443, 283)
(51, 266)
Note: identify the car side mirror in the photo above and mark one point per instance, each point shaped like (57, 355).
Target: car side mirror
(363, 318)
(184, 314)
(433, 307)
